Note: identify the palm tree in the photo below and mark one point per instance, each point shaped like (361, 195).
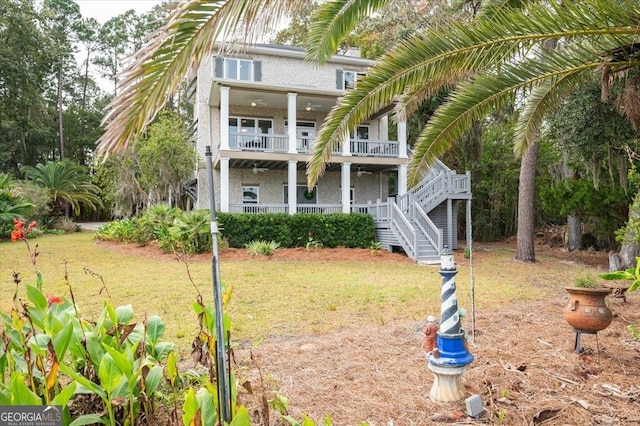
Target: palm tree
(500, 58)
(67, 184)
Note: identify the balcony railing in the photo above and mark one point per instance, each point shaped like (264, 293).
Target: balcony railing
(301, 208)
(279, 143)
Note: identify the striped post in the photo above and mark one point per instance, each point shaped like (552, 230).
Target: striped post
(451, 358)
(449, 317)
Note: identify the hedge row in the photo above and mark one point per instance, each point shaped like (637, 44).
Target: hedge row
(330, 230)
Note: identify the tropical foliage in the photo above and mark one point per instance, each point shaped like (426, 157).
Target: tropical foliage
(65, 182)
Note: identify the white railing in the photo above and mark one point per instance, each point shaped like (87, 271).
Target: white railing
(428, 228)
(280, 143)
(404, 230)
(319, 208)
(374, 148)
(258, 142)
(258, 208)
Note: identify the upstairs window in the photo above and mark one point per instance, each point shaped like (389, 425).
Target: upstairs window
(346, 80)
(237, 69)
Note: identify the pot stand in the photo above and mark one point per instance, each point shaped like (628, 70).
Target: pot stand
(577, 347)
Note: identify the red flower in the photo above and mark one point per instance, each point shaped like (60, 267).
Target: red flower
(19, 233)
(51, 299)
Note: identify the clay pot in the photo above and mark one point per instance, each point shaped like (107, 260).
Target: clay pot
(587, 310)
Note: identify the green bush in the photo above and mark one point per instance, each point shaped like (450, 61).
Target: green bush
(154, 223)
(264, 248)
(332, 230)
(122, 231)
(190, 233)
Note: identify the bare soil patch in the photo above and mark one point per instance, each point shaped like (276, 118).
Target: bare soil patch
(525, 367)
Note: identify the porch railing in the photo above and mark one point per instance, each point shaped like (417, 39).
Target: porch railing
(279, 143)
(301, 208)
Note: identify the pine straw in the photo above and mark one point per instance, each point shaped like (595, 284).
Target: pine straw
(525, 370)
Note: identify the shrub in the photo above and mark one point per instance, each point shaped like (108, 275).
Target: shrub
(154, 223)
(332, 230)
(190, 233)
(66, 225)
(264, 248)
(121, 231)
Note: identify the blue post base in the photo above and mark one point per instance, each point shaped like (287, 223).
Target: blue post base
(452, 351)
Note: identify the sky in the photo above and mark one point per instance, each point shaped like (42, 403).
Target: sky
(103, 10)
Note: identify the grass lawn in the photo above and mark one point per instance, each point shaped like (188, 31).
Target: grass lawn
(273, 299)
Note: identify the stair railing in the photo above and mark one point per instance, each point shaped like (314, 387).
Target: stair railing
(404, 230)
(428, 228)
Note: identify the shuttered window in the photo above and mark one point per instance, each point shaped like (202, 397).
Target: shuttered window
(237, 69)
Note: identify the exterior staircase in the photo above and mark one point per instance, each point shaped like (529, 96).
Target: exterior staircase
(424, 220)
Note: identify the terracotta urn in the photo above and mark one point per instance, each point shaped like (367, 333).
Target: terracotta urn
(587, 310)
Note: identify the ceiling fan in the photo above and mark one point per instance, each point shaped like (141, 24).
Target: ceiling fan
(362, 172)
(257, 169)
(255, 102)
(311, 107)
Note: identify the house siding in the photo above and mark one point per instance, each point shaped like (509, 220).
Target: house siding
(439, 218)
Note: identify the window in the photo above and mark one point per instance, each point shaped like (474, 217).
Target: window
(303, 196)
(250, 195)
(361, 132)
(347, 79)
(237, 69)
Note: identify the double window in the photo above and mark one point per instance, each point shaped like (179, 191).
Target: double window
(237, 69)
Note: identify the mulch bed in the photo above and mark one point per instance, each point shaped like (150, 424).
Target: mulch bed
(525, 371)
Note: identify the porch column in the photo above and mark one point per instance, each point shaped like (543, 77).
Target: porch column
(383, 128)
(224, 185)
(292, 185)
(224, 118)
(346, 187)
(292, 118)
(402, 139)
(402, 179)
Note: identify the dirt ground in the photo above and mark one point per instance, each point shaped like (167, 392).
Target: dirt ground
(525, 369)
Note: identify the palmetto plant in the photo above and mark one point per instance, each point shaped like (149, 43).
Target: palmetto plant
(65, 182)
(487, 63)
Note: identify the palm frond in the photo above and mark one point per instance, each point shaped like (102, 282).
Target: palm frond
(476, 98)
(334, 20)
(443, 57)
(181, 44)
(544, 98)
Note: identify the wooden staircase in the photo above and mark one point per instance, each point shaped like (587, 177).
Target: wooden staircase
(424, 219)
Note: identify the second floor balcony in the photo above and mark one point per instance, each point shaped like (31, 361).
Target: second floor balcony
(260, 142)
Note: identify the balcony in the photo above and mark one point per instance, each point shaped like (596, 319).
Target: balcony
(279, 143)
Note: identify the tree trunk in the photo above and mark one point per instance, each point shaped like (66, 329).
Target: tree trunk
(626, 257)
(574, 232)
(60, 124)
(526, 201)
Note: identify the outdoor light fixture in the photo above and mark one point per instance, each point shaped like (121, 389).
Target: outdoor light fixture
(253, 104)
(446, 260)
(308, 108)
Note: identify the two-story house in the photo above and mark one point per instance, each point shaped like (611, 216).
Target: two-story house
(259, 110)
